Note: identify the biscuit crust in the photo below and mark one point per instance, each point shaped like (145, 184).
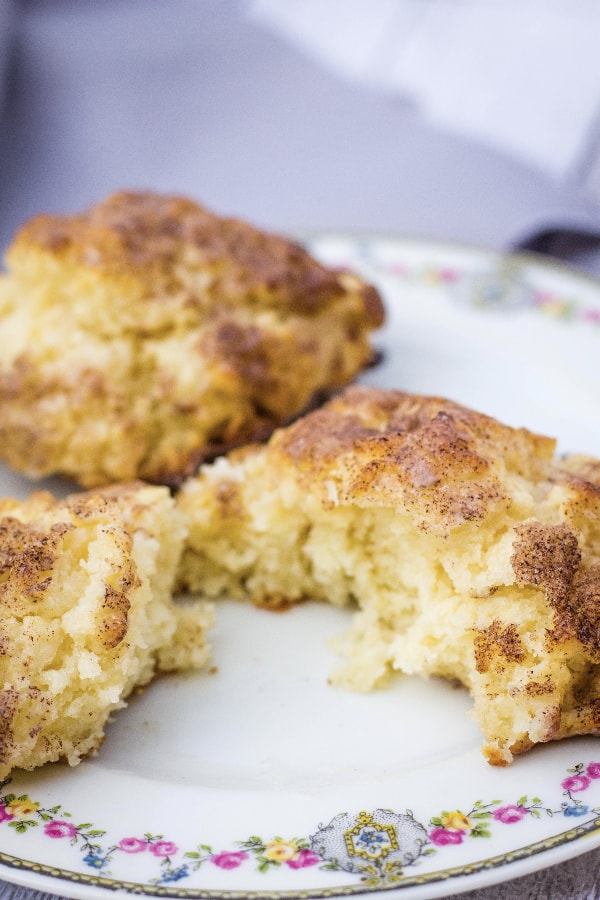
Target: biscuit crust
(86, 616)
(148, 334)
(467, 548)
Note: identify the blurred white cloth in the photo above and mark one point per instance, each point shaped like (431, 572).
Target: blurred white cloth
(522, 76)
(206, 98)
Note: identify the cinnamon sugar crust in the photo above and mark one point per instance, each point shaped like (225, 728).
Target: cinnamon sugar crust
(440, 460)
(147, 334)
(153, 237)
(468, 549)
(86, 616)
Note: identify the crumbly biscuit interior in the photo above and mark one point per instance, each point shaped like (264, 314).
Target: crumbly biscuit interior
(148, 334)
(86, 616)
(466, 550)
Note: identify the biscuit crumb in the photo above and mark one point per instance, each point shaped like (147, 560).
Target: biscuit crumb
(148, 334)
(86, 616)
(468, 549)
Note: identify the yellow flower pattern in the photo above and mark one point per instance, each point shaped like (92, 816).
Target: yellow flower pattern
(280, 851)
(21, 807)
(456, 820)
(376, 846)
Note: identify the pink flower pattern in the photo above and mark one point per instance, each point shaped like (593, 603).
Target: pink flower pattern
(449, 828)
(58, 829)
(132, 845)
(5, 816)
(302, 859)
(164, 848)
(575, 783)
(441, 837)
(229, 860)
(509, 814)
(579, 779)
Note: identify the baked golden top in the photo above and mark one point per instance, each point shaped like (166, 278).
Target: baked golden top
(188, 261)
(33, 537)
(444, 462)
(147, 334)
(86, 615)
(448, 465)
(470, 550)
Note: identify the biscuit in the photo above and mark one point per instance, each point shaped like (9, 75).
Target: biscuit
(86, 616)
(147, 334)
(468, 549)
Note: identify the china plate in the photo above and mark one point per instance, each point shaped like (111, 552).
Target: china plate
(260, 780)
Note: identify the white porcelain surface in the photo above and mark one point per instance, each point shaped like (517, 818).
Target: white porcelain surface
(264, 780)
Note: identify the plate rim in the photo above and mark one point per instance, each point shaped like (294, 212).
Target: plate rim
(530, 257)
(457, 878)
(520, 862)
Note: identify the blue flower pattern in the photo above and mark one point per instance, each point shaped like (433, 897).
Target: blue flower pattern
(374, 846)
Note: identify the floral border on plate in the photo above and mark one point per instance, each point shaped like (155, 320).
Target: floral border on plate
(503, 283)
(377, 847)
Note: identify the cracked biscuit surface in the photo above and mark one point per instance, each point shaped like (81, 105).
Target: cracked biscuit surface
(468, 549)
(148, 334)
(86, 616)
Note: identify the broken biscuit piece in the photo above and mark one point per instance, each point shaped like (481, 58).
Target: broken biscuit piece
(148, 334)
(86, 616)
(467, 548)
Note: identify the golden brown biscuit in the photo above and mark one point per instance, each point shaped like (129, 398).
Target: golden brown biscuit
(86, 616)
(146, 334)
(470, 551)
